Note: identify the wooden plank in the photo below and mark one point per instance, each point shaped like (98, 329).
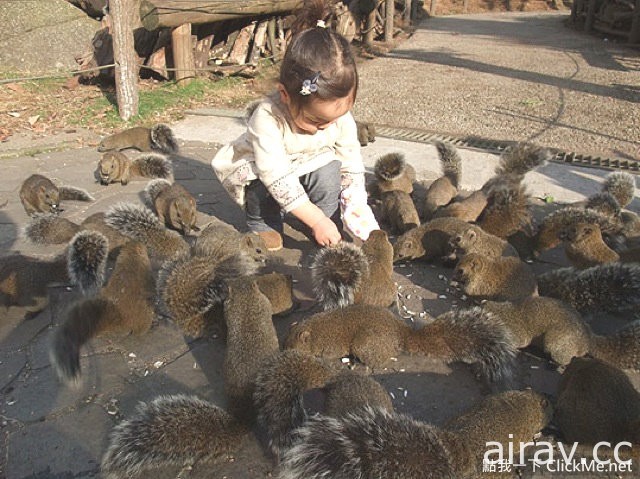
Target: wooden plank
(183, 58)
(172, 13)
(201, 55)
(240, 49)
(388, 23)
(126, 60)
(259, 40)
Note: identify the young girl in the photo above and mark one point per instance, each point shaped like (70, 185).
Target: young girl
(300, 153)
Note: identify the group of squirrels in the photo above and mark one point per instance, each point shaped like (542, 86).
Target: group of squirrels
(207, 277)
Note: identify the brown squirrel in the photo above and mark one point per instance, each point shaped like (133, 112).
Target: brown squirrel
(220, 239)
(366, 133)
(515, 162)
(559, 220)
(507, 210)
(563, 332)
(348, 274)
(173, 204)
(393, 173)
(375, 443)
(157, 138)
(611, 287)
(124, 305)
(373, 335)
(597, 402)
(52, 229)
(504, 278)
(398, 211)
(584, 246)
(39, 194)
(475, 240)
(115, 167)
(605, 203)
(350, 390)
(445, 188)
(430, 240)
(139, 223)
(24, 280)
(622, 186)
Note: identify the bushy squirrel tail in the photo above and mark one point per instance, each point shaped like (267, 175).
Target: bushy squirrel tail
(280, 383)
(472, 336)
(611, 287)
(87, 259)
(390, 167)
(73, 193)
(153, 165)
(622, 349)
(507, 210)
(50, 229)
(154, 188)
(171, 430)
(163, 139)
(451, 162)
(370, 442)
(337, 273)
(83, 321)
(604, 203)
(190, 286)
(141, 224)
(519, 159)
(622, 186)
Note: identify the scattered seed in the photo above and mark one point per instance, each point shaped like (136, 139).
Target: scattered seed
(393, 396)
(158, 364)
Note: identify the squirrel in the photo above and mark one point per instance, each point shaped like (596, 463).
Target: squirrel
(24, 280)
(584, 246)
(466, 209)
(123, 305)
(398, 211)
(507, 210)
(605, 203)
(349, 274)
(139, 223)
(190, 286)
(52, 229)
(548, 233)
(221, 240)
(87, 261)
(504, 278)
(366, 133)
(563, 332)
(622, 186)
(350, 390)
(115, 167)
(597, 402)
(39, 194)
(173, 204)
(613, 287)
(392, 172)
(373, 442)
(475, 240)
(445, 188)
(373, 335)
(157, 138)
(429, 240)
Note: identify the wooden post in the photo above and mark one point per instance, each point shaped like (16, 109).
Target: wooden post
(591, 16)
(634, 33)
(201, 55)
(183, 57)
(388, 24)
(407, 12)
(124, 55)
(370, 28)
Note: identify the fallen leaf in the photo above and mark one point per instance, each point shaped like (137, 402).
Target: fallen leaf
(33, 119)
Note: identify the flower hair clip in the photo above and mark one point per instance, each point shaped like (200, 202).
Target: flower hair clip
(310, 86)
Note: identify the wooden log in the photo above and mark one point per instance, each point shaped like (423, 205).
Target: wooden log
(347, 25)
(433, 8)
(158, 63)
(259, 40)
(591, 16)
(407, 12)
(201, 55)
(388, 23)
(370, 28)
(172, 13)
(183, 58)
(240, 50)
(125, 58)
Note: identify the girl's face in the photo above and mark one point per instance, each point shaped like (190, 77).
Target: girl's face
(317, 114)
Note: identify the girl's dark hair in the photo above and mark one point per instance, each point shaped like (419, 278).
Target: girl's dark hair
(317, 52)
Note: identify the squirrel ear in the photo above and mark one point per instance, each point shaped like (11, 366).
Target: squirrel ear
(304, 336)
(472, 234)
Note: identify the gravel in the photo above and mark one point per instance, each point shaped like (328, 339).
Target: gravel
(509, 76)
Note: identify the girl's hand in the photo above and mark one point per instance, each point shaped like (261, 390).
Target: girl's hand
(326, 232)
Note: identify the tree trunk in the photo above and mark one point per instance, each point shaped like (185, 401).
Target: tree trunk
(172, 13)
(125, 57)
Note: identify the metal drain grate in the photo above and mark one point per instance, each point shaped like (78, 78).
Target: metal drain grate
(410, 134)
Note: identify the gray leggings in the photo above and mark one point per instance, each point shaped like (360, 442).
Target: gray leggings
(322, 187)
